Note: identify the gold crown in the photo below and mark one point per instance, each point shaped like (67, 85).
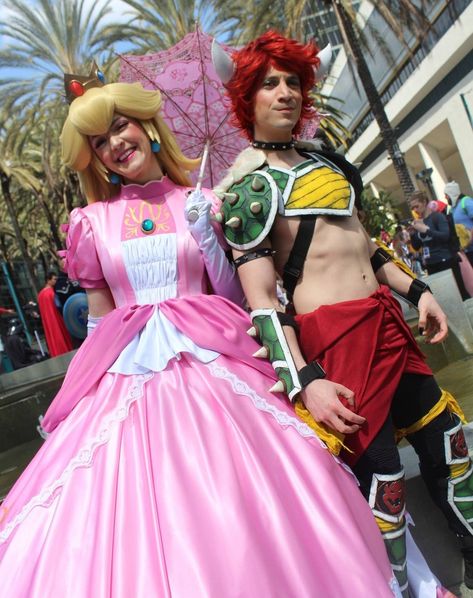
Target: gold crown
(76, 85)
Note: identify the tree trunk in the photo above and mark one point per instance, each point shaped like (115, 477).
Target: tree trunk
(50, 218)
(5, 183)
(386, 131)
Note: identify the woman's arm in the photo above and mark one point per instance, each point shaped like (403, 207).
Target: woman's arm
(440, 229)
(220, 270)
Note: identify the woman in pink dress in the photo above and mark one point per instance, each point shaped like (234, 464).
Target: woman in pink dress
(170, 469)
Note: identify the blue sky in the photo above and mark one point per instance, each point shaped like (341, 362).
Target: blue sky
(118, 12)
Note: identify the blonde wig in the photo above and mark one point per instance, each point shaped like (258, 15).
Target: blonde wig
(92, 114)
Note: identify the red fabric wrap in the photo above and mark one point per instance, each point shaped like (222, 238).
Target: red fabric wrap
(366, 345)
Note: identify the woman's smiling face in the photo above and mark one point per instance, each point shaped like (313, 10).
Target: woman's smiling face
(126, 150)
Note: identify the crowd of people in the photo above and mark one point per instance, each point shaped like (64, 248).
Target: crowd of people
(195, 449)
(437, 237)
(433, 231)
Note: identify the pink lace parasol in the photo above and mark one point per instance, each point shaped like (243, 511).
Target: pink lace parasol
(195, 106)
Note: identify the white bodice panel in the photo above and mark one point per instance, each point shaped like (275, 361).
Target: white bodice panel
(151, 266)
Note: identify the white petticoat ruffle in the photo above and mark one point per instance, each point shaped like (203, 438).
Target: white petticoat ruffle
(155, 345)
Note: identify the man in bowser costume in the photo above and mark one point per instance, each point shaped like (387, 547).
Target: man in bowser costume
(343, 354)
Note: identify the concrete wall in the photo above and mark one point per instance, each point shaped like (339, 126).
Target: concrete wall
(25, 394)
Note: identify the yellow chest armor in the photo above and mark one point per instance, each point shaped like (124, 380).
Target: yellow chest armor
(313, 187)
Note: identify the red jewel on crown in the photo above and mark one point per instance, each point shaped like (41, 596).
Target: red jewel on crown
(76, 88)
(77, 85)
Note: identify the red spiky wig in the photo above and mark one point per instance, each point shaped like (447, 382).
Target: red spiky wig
(251, 65)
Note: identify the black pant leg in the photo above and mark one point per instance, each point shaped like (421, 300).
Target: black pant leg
(414, 398)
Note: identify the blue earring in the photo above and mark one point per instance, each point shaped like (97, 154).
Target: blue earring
(155, 146)
(114, 178)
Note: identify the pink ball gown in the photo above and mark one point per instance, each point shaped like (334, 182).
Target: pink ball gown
(170, 470)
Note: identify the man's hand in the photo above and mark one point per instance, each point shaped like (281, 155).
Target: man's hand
(432, 320)
(321, 399)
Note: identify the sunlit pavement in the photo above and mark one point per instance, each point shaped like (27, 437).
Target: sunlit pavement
(431, 532)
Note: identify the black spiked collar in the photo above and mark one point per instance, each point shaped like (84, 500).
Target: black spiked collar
(273, 145)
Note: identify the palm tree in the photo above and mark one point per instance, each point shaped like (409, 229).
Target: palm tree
(43, 40)
(32, 137)
(46, 39)
(11, 173)
(159, 24)
(404, 16)
(415, 21)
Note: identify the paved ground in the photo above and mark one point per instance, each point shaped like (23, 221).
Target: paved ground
(437, 543)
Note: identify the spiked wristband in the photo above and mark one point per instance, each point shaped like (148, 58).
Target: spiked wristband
(276, 349)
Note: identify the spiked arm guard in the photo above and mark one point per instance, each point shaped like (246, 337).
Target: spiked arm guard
(268, 325)
(276, 349)
(249, 209)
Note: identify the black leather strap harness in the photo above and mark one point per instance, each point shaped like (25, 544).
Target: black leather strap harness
(295, 263)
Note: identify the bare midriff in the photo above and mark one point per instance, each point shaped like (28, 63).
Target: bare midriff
(337, 267)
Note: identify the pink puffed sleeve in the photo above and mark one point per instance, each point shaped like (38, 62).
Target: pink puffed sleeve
(81, 259)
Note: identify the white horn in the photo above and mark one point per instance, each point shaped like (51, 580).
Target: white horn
(224, 65)
(325, 57)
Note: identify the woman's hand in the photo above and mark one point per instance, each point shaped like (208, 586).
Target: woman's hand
(197, 211)
(419, 226)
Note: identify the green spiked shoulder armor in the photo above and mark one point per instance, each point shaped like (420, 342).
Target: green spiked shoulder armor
(249, 209)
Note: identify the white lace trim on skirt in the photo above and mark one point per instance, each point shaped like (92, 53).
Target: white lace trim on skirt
(85, 455)
(241, 388)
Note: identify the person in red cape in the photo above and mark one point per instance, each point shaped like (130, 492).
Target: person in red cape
(342, 351)
(58, 338)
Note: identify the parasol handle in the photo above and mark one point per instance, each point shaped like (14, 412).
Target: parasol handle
(194, 214)
(203, 164)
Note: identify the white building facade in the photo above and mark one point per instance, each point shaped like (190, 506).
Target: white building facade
(428, 99)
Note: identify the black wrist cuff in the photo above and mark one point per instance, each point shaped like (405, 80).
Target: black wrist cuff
(415, 291)
(286, 319)
(310, 372)
(379, 258)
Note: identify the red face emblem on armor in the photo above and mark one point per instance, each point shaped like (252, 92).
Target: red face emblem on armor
(458, 445)
(390, 497)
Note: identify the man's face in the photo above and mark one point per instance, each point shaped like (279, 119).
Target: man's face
(277, 106)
